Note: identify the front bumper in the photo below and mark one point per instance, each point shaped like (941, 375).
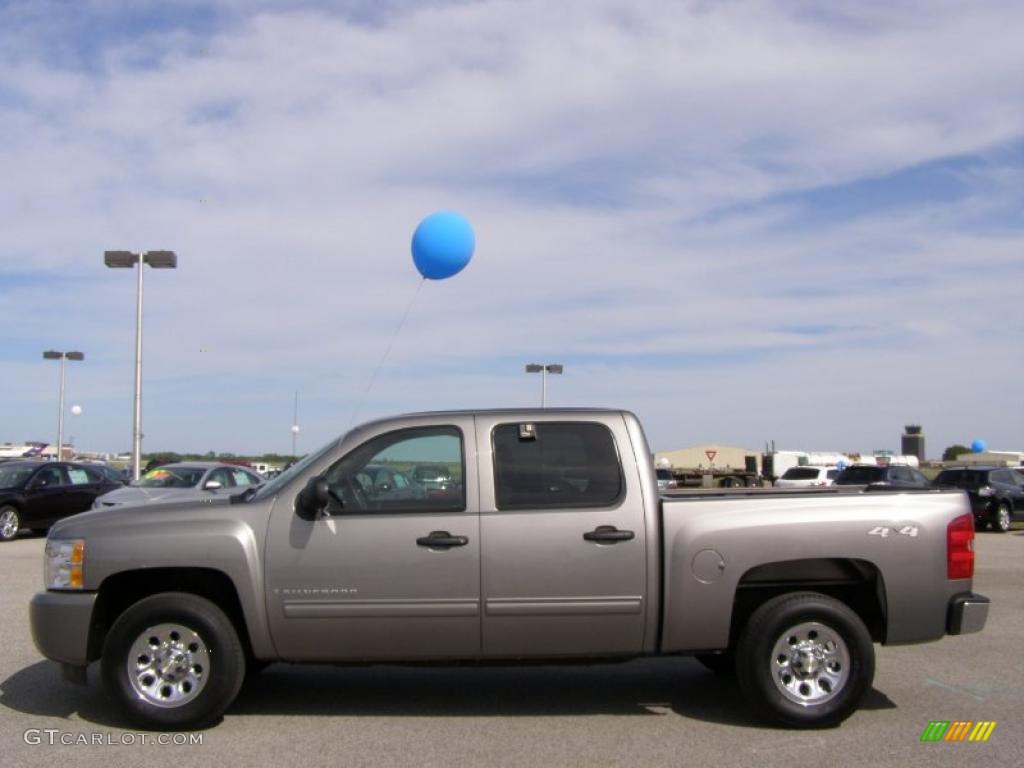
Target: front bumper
(967, 613)
(60, 624)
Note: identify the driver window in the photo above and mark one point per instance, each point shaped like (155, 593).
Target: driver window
(50, 477)
(379, 475)
(221, 476)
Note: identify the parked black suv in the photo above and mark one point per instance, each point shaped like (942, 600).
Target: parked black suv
(878, 476)
(996, 493)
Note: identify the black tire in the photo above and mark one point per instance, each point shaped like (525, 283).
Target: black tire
(10, 522)
(781, 680)
(254, 667)
(1002, 518)
(191, 633)
(723, 664)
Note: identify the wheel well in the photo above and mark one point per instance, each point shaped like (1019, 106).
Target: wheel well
(857, 583)
(122, 590)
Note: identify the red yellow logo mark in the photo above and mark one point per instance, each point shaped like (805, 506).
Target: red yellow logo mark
(958, 730)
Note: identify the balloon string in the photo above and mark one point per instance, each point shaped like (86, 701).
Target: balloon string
(387, 351)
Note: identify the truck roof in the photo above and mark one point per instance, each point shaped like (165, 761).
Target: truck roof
(510, 412)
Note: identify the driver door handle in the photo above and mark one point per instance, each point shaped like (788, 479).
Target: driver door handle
(608, 534)
(442, 540)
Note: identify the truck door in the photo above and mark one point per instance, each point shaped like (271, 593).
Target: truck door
(563, 538)
(392, 571)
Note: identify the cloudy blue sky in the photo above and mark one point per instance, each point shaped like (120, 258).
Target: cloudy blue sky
(744, 220)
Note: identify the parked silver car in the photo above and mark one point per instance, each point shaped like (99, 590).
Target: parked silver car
(182, 481)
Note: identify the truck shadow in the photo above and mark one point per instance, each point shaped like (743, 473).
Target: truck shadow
(646, 687)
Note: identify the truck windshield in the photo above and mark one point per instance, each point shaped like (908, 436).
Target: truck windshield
(279, 482)
(11, 477)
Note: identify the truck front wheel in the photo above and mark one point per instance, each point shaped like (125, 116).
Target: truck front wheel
(805, 660)
(173, 661)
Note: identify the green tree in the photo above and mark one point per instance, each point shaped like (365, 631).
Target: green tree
(953, 451)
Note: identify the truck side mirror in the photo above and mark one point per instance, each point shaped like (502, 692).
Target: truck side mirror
(312, 499)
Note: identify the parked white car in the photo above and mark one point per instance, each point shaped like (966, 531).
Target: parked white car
(182, 481)
(807, 477)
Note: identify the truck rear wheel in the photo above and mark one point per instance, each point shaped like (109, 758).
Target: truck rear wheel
(173, 661)
(1001, 520)
(805, 660)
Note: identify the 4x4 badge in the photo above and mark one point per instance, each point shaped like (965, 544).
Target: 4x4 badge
(885, 531)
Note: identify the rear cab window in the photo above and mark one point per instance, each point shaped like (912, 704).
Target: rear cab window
(556, 465)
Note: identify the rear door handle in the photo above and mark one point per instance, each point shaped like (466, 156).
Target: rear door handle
(442, 540)
(608, 534)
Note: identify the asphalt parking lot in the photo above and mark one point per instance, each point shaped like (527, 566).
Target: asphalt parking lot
(657, 712)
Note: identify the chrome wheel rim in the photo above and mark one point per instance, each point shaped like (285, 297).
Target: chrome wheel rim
(810, 664)
(8, 524)
(1003, 518)
(168, 665)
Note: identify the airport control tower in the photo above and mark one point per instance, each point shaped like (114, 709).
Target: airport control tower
(913, 442)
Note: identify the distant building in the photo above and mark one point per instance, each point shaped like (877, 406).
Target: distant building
(993, 458)
(912, 443)
(711, 455)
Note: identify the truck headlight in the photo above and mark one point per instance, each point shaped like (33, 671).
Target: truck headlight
(986, 491)
(64, 567)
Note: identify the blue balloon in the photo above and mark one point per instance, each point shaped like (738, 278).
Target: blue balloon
(978, 446)
(442, 245)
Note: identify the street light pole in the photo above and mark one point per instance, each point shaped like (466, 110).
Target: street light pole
(137, 410)
(295, 424)
(60, 413)
(62, 356)
(128, 259)
(544, 370)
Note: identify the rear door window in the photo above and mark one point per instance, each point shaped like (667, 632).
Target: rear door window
(801, 473)
(861, 475)
(547, 465)
(79, 476)
(900, 474)
(243, 478)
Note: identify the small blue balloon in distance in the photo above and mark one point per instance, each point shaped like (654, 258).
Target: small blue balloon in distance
(442, 245)
(978, 446)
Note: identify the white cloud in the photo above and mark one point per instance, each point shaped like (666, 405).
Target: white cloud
(641, 177)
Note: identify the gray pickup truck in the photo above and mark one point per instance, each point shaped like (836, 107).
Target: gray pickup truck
(541, 535)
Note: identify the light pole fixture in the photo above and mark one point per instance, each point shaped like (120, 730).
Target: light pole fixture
(62, 356)
(127, 260)
(544, 370)
(295, 424)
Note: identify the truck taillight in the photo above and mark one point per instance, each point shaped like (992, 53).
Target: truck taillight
(960, 548)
